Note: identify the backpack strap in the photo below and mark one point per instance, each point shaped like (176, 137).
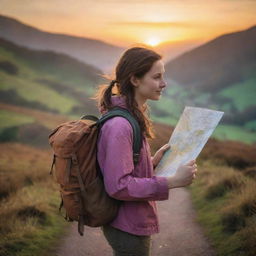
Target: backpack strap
(137, 136)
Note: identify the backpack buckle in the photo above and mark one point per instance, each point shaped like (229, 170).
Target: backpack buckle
(74, 159)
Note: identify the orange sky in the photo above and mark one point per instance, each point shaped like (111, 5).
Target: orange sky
(135, 21)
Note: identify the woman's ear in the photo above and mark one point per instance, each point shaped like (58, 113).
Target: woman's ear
(134, 80)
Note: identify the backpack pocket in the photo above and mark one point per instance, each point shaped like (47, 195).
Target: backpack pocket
(100, 208)
(72, 203)
(65, 173)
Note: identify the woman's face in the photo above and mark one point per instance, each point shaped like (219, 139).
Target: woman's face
(151, 85)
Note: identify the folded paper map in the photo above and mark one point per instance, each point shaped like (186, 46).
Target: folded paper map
(188, 138)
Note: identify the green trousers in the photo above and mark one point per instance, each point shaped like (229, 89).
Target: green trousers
(126, 244)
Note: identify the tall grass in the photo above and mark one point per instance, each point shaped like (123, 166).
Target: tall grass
(29, 223)
(225, 200)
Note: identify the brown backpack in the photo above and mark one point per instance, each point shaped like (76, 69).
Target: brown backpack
(77, 171)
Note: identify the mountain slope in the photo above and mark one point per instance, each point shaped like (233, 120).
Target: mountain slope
(228, 59)
(95, 52)
(220, 74)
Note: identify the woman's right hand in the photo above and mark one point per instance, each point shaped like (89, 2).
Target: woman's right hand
(183, 176)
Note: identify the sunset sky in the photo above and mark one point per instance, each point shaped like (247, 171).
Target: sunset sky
(135, 21)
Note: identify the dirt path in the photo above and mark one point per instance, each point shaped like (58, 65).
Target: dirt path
(180, 235)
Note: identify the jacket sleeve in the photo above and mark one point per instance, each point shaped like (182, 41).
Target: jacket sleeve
(115, 157)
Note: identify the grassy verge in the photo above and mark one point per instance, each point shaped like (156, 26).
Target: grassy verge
(225, 200)
(29, 219)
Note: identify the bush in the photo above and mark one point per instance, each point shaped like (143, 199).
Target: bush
(9, 134)
(33, 134)
(9, 67)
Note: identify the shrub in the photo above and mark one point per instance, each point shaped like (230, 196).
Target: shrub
(9, 67)
(9, 134)
(33, 134)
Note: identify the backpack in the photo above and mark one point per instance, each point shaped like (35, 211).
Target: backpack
(77, 171)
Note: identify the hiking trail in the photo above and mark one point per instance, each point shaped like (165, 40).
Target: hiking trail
(180, 234)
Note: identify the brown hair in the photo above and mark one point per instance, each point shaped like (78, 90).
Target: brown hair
(135, 61)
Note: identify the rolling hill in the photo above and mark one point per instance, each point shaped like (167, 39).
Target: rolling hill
(220, 63)
(95, 52)
(46, 80)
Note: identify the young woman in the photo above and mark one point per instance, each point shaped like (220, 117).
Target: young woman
(138, 78)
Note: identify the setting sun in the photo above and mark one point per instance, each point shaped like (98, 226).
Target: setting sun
(153, 41)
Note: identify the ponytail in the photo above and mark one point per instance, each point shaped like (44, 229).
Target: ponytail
(108, 93)
(104, 93)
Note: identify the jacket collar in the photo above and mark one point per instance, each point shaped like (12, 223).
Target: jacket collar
(116, 101)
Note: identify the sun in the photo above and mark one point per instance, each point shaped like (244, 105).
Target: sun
(153, 41)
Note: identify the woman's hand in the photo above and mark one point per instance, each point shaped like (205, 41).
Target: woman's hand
(184, 175)
(159, 154)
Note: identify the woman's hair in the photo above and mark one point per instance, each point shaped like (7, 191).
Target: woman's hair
(135, 61)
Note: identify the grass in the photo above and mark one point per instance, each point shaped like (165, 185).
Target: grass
(30, 225)
(48, 120)
(241, 97)
(251, 125)
(29, 220)
(26, 89)
(230, 132)
(35, 233)
(9, 118)
(71, 80)
(225, 201)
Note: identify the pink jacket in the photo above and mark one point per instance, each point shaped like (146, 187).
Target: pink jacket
(137, 187)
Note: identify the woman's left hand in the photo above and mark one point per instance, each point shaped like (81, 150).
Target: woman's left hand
(159, 154)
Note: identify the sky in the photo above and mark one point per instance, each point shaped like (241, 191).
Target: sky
(135, 21)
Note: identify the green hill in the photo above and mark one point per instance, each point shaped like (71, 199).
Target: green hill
(46, 80)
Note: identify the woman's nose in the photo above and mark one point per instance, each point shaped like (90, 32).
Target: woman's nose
(163, 84)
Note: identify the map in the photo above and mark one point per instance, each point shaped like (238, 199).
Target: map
(188, 138)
